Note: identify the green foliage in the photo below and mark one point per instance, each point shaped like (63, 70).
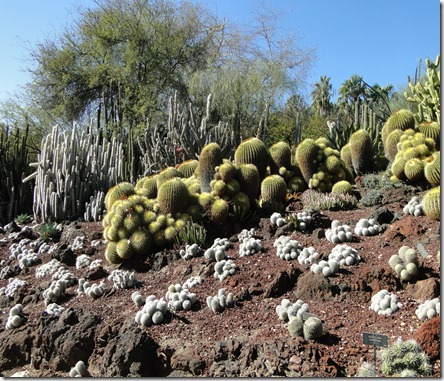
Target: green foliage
(371, 198)
(328, 201)
(49, 232)
(23, 218)
(431, 203)
(191, 233)
(314, 126)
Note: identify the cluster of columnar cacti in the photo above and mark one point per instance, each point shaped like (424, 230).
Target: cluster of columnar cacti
(216, 252)
(344, 255)
(321, 165)
(224, 269)
(79, 370)
(248, 243)
(308, 256)
(429, 309)
(54, 309)
(190, 251)
(13, 285)
(413, 207)
(221, 301)
(384, 303)
(14, 318)
(122, 279)
(93, 290)
(405, 263)
(153, 311)
(326, 268)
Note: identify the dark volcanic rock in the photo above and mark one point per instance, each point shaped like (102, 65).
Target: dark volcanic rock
(429, 337)
(423, 290)
(312, 286)
(282, 282)
(15, 348)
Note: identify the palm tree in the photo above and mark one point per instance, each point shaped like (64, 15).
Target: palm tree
(351, 90)
(321, 95)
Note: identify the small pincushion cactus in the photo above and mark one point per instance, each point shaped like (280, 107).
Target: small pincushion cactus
(217, 251)
(249, 246)
(413, 207)
(77, 244)
(327, 268)
(344, 255)
(94, 290)
(287, 248)
(221, 301)
(276, 219)
(385, 303)
(79, 370)
(190, 251)
(48, 268)
(137, 298)
(304, 220)
(13, 285)
(367, 227)
(180, 298)
(122, 279)
(429, 309)
(14, 318)
(192, 282)
(54, 309)
(405, 358)
(55, 291)
(405, 263)
(287, 310)
(308, 256)
(224, 268)
(82, 260)
(153, 312)
(339, 233)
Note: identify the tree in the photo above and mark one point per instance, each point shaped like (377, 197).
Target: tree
(351, 90)
(321, 95)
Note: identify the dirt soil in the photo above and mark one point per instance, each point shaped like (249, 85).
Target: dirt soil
(247, 340)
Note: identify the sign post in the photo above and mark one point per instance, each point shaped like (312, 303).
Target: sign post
(375, 339)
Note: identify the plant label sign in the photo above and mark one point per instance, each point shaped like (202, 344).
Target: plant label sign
(375, 339)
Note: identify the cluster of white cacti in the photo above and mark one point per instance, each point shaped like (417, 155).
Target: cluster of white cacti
(153, 312)
(344, 255)
(63, 274)
(287, 310)
(339, 232)
(14, 319)
(367, 227)
(192, 282)
(93, 290)
(54, 309)
(414, 207)
(287, 248)
(308, 256)
(224, 268)
(137, 298)
(45, 248)
(385, 303)
(180, 298)
(276, 219)
(405, 263)
(327, 268)
(25, 256)
(82, 261)
(249, 246)
(122, 279)
(304, 220)
(217, 251)
(77, 243)
(13, 285)
(190, 251)
(245, 233)
(95, 263)
(48, 268)
(79, 370)
(55, 291)
(221, 301)
(429, 309)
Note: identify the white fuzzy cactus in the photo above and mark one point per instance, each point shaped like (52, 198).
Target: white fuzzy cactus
(339, 232)
(414, 207)
(367, 227)
(54, 309)
(192, 282)
(344, 255)
(65, 275)
(153, 312)
(246, 234)
(79, 370)
(13, 285)
(308, 256)
(54, 292)
(287, 248)
(385, 303)
(429, 309)
(224, 268)
(77, 243)
(93, 290)
(82, 261)
(14, 319)
(217, 251)
(137, 298)
(122, 279)
(48, 268)
(326, 268)
(304, 220)
(405, 263)
(276, 219)
(180, 298)
(249, 246)
(287, 310)
(221, 301)
(190, 251)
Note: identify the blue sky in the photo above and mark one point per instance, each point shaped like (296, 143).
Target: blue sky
(381, 40)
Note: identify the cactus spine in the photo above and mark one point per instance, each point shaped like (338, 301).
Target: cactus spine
(252, 151)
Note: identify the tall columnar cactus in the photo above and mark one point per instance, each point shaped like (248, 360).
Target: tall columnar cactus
(173, 196)
(400, 120)
(280, 156)
(273, 189)
(249, 180)
(432, 168)
(306, 158)
(209, 159)
(361, 151)
(252, 151)
(346, 156)
(431, 203)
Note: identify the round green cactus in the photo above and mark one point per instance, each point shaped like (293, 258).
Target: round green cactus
(205, 200)
(173, 196)
(166, 174)
(111, 254)
(391, 142)
(431, 203)
(118, 192)
(188, 167)
(432, 168)
(313, 329)
(332, 164)
(346, 156)
(252, 151)
(227, 171)
(296, 327)
(410, 153)
(232, 188)
(147, 186)
(273, 188)
(400, 120)
(398, 168)
(249, 180)
(342, 187)
(219, 188)
(195, 212)
(241, 201)
(297, 184)
(219, 211)
(307, 158)
(110, 233)
(210, 157)
(169, 233)
(124, 249)
(414, 170)
(361, 151)
(431, 130)
(141, 242)
(280, 156)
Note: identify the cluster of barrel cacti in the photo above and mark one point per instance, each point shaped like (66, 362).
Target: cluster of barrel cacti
(431, 203)
(405, 263)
